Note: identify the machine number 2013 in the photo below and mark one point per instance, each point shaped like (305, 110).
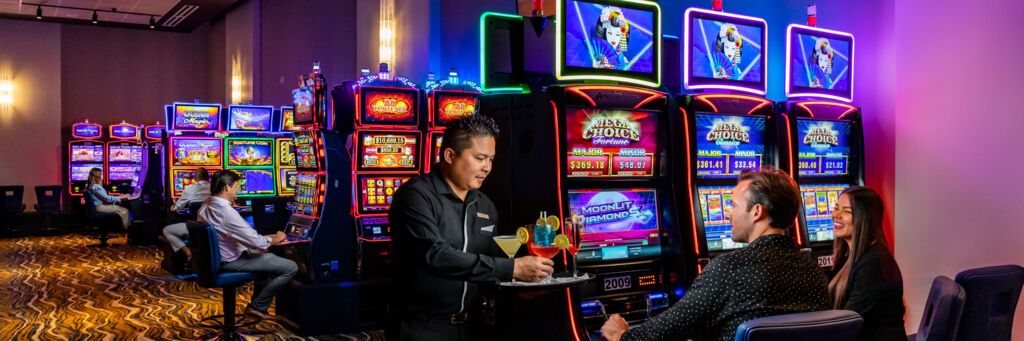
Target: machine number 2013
(617, 283)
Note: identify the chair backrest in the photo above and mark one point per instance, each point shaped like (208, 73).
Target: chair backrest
(942, 311)
(992, 294)
(835, 325)
(205, 252)
(48, 198)
(193, 210)
(11, 198)
(270, 214)
(90, 206)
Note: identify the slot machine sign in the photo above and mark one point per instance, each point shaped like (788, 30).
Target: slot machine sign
(196, 152)
(86, 131)
(824, 147)
(124, 131)
(250, 118)
(726, 145)
(388, 151)
(196, 117)
(611, 143)
(391, 107)
(250, 153)
(305, 150)
(450, 107)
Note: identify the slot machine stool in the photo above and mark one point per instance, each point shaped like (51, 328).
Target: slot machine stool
(206, 263)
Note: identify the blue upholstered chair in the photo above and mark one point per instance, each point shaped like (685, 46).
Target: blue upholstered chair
(992, 294)
(48, 203)
(105, 223)
(942, 311)
(206, 264)
(833, 325)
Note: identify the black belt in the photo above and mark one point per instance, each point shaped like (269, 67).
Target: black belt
(449, 318)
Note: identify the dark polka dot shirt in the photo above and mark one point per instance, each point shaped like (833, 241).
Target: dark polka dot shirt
(769, 277)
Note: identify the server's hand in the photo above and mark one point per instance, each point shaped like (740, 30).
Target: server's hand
(613, 329)
(532, 268)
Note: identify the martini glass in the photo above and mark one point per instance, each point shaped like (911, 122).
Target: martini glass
(510, 245)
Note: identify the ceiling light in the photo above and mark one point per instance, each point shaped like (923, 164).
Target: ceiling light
(152, 23)
(95, 18)
(39, 12)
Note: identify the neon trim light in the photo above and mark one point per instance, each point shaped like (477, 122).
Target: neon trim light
(560, 50)
(849, 108)
(789, 60)
(483, 50)
(687, 67)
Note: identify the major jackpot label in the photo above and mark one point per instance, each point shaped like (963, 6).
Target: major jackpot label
(388, 151)
(389, 107)
(610, 142)
(726, 145)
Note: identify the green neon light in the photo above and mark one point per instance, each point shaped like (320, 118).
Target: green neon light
(483, 57)
(227, 148)
(559, 49)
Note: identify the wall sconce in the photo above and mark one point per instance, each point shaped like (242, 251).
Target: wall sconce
(6, 89)
(236, 80)
(387, 33)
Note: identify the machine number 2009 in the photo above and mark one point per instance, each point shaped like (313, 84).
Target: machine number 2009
(617, 283)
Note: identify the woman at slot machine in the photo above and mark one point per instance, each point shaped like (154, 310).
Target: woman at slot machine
(867, 278)
(103, 201)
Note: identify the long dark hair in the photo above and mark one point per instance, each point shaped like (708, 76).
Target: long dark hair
(95, 176)
(868, 211)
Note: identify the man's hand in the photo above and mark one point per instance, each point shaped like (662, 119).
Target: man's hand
(613, 329)
(277, 237)
(532, 269)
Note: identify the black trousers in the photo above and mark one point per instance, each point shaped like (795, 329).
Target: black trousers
(405, 328)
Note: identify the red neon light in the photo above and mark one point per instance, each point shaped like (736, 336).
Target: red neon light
(689, 176)
(638, 105)
(763, 101)
(582, 94)
(572, 318)
(849, 108)
(705, 100)
(789, 142)
(558, 171)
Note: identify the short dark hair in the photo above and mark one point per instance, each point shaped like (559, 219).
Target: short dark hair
(222, 179)
(775, 190)
(460, 132)
(202, 174)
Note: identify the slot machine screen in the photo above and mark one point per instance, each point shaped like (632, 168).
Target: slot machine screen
(715, 204)
(245, 118)
(197, 152)
(305, 192)
(820, 63)
(600, 39)
(285, 153)
(250, 153)
(824, 147)
(124, 153)
(123, 173)
(124, 131)
(182, 178)
(305, 149)
(618, 224)
(302, 103)
(726, 145)
(87, 152)
(256, 181)
(389, 107)
(436, 147)
(450, 106)
(375, 192)
(388, 151)
(80, 172)
(196, 117)
(818, 202)
(610, 143)
(724, 51)
(287, 119)
(287, 180)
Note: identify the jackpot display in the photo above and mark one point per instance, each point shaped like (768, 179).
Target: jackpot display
(726, 145)
(610, 143)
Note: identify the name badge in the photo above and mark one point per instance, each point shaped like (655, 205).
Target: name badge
(481, 215)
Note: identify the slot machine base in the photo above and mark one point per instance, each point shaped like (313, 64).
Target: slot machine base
(332, 308)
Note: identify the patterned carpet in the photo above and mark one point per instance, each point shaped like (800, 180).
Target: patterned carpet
(57, 288)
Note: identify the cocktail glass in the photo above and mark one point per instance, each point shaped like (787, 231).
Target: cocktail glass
(542, 247)
(510, 245)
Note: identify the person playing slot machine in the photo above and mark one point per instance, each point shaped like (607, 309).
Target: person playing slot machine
(103, 201)
(441, 229)
(768, 277)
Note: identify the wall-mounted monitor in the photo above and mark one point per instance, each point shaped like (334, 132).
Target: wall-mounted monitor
(610, 143)
(819, 63)
(617, 224)
(609, 40)
(728, 144)
(724, 51)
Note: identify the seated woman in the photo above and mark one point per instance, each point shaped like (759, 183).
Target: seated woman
(867, 281)
(105, 202)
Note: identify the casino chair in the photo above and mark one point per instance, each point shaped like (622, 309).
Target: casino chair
(105, 223)
(942, 312)
(48, 203)
(834, 325)
(206, 263)
(992, 294)
(176, 262)
(11, 205)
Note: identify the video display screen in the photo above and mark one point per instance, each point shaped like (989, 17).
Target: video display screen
(715, 204)
(375, 192)
(86, 130)
(389, 107)
(154, 132)
(196, 152)
(726, 145)
(725, 51)
(824, 147)
(256, 182)
(302, 102)
(607, 37)
(87, 152)
(305, 149)
(196, 117)
(246, 152)
(80, 171)
(306, 192)
(123, 172)
(819, 200)
(821, 63)
(450, 106)
(610, 143)
(124, 131)
(435, 144)
(388, 151)
(181, 178)
(286, 152)
(286, 181)
(124, 153)
(287, 119)
(247, 118)
(618, 224)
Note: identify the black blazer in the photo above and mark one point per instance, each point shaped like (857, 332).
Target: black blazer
(875, 291)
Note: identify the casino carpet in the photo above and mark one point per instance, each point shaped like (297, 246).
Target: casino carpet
(57, 288)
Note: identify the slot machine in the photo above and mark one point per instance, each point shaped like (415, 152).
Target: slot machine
(250, 150)
(587, 137)
(726, 123)
(826, 149)
(124, 158)
(285, 149)
(447, 100)
(192, 141)
(85, 152)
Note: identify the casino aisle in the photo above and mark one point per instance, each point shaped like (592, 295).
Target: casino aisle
(57, 288)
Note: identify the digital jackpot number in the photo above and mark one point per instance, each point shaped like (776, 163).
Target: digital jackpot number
(586, 164)
(709, 164)
(633, 164)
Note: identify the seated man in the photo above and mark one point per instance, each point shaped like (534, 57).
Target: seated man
(197, 191)
(241, 248)
(768, 277)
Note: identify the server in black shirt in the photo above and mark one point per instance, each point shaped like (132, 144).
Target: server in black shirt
(867, 279)
(768, 277)
(441, 228)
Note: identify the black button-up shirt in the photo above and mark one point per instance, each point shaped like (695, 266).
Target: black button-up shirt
(442, 247)
(768, 277)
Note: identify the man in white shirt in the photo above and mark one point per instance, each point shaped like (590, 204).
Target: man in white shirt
(194, 192)
(242, 249)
